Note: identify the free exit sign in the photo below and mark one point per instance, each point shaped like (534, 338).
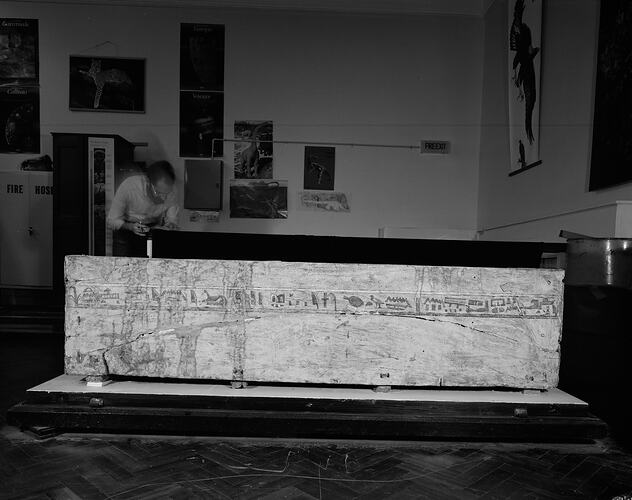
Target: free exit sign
(435, 147)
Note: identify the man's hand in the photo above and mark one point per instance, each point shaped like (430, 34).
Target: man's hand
(136, 228)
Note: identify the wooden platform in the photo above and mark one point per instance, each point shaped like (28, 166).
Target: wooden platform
(67, 404)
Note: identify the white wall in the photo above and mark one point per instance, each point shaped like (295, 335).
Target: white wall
(560, 184)
(319, 77)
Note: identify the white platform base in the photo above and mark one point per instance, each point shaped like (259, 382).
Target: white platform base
(76, 384)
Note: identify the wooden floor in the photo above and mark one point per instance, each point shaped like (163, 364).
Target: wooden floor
(120, 467)
(98, 466)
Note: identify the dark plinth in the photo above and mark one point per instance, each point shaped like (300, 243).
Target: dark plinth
(66, 404)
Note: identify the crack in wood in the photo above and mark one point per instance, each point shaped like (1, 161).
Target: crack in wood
(486, 332)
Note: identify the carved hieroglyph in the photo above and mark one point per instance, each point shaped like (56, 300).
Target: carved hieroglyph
(313, 323)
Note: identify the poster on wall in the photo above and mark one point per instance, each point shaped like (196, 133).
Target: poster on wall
(19, 120)
(324, 201)
(254, 156)
(259, 199)
(524, 53)
(201, 121)
(101, 171)
(611, 161)
(18, 51)
(319, 167)
(114, 84)
(202, 57)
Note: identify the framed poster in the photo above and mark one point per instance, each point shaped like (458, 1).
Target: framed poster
(19, 119)
(19, 63)
(258, 199)
(319, 167)
(114, 84)
(202, 57)
(101, 171)
(253, 157)
(524, 53)
(611, 161)
(201, 121)
(325, 201)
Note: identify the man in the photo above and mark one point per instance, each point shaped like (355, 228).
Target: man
(141, 202)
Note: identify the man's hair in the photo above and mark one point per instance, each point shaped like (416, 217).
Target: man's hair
(161, 170)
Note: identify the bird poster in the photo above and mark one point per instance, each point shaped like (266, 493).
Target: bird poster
(525, 54)
(319, 168)
(19, 119)
(254, 156)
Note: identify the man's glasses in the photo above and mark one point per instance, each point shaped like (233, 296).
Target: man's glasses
(159, 194)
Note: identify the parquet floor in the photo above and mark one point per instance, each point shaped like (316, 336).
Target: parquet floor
(121, 467)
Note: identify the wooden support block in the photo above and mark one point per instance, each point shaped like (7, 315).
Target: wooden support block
(521, 412)
(382, 388)
(315, 323)
(42, 431)
(98, 380)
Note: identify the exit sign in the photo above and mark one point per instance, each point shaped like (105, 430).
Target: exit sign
(435, 147)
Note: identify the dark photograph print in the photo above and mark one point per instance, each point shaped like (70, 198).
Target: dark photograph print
(611, 162)
(253, 156)
(115, 84)
(262, 199)
(202, 57)
(19, 120)
(18, 51)
(201, 121)
(320, 166)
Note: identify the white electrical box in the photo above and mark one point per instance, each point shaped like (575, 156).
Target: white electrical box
(203, 184)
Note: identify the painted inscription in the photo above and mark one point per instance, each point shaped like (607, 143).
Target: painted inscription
(291, 300)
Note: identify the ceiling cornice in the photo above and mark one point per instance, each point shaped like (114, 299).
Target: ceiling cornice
(474, 8)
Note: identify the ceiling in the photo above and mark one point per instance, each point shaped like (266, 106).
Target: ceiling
(405, 7)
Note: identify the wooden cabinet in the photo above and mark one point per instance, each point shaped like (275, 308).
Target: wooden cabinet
(73, 207)
(26, 200)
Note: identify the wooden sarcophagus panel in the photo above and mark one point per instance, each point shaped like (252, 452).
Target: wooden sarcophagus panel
(313, 322)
